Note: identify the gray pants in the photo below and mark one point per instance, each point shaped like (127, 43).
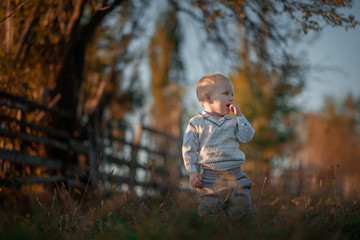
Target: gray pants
(225, 192)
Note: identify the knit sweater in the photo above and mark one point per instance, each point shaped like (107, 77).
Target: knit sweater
(215, 145)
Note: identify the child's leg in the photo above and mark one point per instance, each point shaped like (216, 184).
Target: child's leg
(211, 205)
(225, 192)
(238, 205)
(211, 202)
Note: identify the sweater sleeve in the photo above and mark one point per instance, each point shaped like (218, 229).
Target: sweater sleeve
(244, 131)
(190, 149)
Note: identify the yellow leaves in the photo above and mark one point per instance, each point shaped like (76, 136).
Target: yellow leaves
(259, 122)
(330, 147)
(270, 152)
(217, 13)
(242, 89)
(17, 2)
(40, 171)
(301, 201)
(339, 2)
(307, 13)
(54, 39)
(248, 166)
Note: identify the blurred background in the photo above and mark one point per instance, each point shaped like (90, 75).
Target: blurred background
(98, 93)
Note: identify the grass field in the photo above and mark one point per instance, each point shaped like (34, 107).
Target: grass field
(62, 213)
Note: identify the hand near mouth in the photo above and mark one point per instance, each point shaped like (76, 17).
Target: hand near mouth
(235, 109)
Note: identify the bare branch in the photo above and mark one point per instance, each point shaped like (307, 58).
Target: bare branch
(26, 31)
(13, 12)
(75, 19)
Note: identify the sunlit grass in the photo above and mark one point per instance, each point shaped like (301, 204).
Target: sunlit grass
(61, 213)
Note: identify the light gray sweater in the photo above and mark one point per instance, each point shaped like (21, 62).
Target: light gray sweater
(215, 144)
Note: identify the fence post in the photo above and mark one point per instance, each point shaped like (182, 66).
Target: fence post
(171, 164)
(92, 153)
(133, 160)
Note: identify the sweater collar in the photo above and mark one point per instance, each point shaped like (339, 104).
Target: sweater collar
(219, 122)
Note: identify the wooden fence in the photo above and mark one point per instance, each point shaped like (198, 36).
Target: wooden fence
(33, 151)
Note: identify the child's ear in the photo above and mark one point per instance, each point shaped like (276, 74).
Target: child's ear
(207, 98)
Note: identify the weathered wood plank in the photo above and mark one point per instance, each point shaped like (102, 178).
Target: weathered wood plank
(29, 180)
(21, 157)
(76, 171)
(25, 104)
(51, 179)
(75, 145)
(35, 139)
(121, 161)
(51, 131)
(157, 132)
(138, 147)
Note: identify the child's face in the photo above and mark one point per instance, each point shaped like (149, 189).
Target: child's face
(220, 98)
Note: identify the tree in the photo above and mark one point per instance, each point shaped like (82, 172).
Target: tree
(166, 69)
(329, 146)
(54, 37)
(264, 24)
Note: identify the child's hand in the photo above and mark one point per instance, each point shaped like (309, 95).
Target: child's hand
(195, 180)
(235, 109)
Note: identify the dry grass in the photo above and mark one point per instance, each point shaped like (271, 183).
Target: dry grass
(61, 213)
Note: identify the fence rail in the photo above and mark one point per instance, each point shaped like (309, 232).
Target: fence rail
(34, 150)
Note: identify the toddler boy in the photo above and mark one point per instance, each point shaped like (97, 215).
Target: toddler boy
(211, 141)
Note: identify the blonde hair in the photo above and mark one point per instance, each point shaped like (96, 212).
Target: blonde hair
(206, 85)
